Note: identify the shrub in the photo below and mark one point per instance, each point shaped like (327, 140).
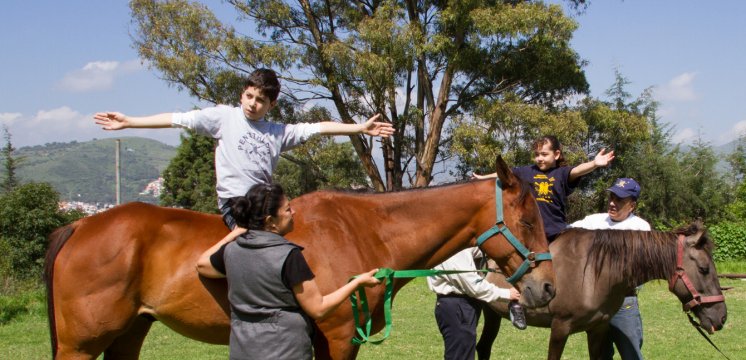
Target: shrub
(730, 241)
(28, 214)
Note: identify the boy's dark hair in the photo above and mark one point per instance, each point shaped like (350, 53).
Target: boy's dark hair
(251, 210)
(266, 81)
(554, 144)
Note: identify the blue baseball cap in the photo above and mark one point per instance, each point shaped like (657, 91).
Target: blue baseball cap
(625, 187)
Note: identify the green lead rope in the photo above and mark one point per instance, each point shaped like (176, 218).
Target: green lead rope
(387, 275)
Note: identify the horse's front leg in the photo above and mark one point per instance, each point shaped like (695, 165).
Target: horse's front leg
(599, 343)
(558, 338)
(489, 332)
(334, 343)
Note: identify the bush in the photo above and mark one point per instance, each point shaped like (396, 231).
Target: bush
(730, 241)
(28, 214)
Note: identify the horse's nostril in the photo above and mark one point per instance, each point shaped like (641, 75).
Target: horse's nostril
(549, 289)
(722, 321)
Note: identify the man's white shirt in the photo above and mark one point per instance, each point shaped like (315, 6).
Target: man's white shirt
(603, 221)
(469, 284)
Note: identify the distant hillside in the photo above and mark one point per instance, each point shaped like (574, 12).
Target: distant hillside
(721, 152)
(726, 149)
(84, 171)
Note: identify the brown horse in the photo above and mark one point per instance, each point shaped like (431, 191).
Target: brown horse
(595, 269)
(110, 275)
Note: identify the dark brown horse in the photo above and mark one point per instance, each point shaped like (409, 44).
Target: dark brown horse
(596, 269)
(110, 275)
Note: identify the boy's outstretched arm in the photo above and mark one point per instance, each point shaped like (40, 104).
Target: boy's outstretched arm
(370, 127)
(119, 121)
(602, 159)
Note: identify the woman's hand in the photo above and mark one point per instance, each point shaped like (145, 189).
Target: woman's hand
(368, 279)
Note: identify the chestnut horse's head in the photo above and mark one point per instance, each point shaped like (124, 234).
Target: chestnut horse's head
(517, 242)
(695, 281)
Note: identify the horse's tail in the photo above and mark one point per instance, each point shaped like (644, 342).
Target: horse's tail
(57, 239)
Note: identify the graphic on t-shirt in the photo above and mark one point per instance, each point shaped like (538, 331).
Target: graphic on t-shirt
(257, 150)
(543, 187)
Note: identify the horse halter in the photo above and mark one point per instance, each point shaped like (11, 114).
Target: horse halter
(530, 258)
(697, 299)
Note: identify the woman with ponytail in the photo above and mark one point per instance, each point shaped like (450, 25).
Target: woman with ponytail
(271, 289)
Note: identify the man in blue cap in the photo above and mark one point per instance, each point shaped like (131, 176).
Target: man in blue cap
(625, 328)
(620, 215)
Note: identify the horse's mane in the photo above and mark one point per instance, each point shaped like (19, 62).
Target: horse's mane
(370, 191)
(525, 189)
(637, 256)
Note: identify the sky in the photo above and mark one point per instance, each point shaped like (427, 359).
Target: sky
(63, 61)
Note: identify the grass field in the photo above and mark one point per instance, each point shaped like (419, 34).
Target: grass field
(668, 334)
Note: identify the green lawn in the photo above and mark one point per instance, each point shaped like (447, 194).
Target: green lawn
(668, 334)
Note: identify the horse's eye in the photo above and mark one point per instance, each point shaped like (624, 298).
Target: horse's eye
(704, 270)
(527, 224)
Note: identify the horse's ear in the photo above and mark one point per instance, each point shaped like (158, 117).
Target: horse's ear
(699, 224)
(504, 172)
(698, 238)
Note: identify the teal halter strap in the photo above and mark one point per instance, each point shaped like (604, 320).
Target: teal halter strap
(530, 257)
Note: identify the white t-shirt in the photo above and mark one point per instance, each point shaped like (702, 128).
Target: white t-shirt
(603, 221)
(247, 151)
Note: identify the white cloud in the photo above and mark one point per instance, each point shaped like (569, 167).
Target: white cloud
(104, 66)
(665, 111)
(737, 130)
(132, 66)
(97, 75)
(684, 135)
(60, 124)
(9, 118)
(64, 124)
(680, 88)
(60, 119)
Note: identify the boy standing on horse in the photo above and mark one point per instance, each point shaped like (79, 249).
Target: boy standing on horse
(625, 327)
(248, 146)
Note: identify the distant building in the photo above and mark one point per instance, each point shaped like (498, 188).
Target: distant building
(87, 208)
(153, 188)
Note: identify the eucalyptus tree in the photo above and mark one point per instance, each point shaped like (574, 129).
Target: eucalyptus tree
(419, 63)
